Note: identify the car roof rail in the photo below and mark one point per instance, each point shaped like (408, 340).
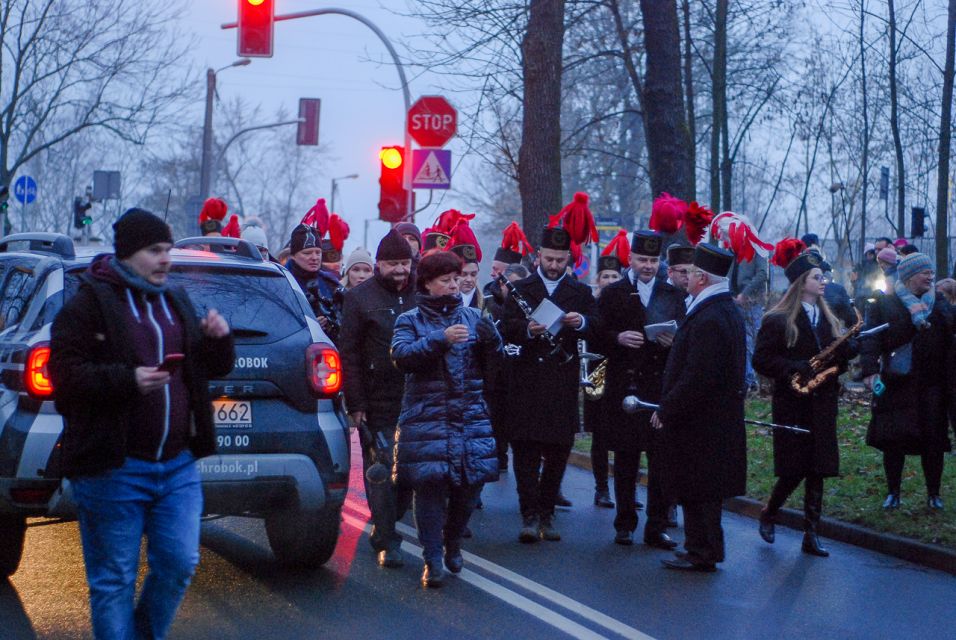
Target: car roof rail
(235, 247)
(39, 242)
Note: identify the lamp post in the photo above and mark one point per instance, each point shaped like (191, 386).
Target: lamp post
(351, 176)
(204, 170)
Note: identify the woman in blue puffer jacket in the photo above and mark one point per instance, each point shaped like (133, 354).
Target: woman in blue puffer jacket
(444, 446)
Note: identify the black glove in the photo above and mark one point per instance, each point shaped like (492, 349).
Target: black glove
(485, 330)
(804, 369)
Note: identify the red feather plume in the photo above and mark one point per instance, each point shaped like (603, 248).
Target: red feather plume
(212, 209)
(338, 231)
(667, 214)
(318, 217)
(449, 219)
(513, 238)
(576, 218)
(787, 251)
(696, 220)
(619, 246)
(232, 230)
(577, 256)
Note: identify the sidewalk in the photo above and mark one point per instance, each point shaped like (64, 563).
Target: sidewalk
(928, 555)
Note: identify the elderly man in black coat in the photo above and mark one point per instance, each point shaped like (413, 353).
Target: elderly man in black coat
(702, 411)
(541, 410)
(635, 366)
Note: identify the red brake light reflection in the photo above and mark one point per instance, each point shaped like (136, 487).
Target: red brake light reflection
(36, 378)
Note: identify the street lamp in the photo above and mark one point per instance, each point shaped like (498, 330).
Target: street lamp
(351, 176)
(204, 170)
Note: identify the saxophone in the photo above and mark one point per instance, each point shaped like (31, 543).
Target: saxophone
(824, 363)
(594, 387)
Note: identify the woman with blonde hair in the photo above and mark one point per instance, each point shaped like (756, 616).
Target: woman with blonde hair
(799, 327)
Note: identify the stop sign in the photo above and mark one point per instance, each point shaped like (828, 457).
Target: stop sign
(432, 121)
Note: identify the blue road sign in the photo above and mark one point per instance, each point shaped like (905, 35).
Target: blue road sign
(431, 169)
(25, 189)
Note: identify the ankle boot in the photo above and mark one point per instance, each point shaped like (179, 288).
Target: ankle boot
(768, 517)
(812, 507)
(766, 528)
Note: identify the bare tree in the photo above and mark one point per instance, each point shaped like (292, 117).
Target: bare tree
(945, 132)
(67, 66)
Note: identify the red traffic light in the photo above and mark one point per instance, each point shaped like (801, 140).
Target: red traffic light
(393, 197)
(256, 19)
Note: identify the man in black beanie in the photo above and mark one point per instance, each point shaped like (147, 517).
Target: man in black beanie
(373, 386)
(130, 361)
(320, 287)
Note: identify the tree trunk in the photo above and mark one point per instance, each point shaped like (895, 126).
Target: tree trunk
(895, 125)
(539, 158)
(945, 130)
(668, 142)
(689, 101)
(718, 100)
(866, 129)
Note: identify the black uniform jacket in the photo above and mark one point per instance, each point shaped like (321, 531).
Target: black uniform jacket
(911, 414)
(798, 454)
(704, 443)
(371, 382)
(541, 404)
(633, 371)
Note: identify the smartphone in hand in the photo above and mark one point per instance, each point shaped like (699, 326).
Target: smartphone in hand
(172, 361)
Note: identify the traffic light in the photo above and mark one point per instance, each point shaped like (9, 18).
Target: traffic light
(80, 216)
(4, 195)
(256, 18)
(393, 197)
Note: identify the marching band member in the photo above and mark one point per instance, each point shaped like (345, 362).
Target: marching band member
(635, 366)
(798, 328)
(541, 411)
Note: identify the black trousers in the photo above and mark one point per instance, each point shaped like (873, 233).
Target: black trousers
(932, 470)
(599, 463)
(539, 468)
(703, 535)
(387, 502)
(626, 468)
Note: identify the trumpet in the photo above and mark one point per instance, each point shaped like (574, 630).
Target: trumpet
(824, 364)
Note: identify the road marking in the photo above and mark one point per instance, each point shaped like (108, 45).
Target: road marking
(515, 599)
(528, 584)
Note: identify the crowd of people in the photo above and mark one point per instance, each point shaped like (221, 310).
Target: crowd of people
(451, 376)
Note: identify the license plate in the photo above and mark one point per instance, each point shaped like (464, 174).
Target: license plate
(232, 414)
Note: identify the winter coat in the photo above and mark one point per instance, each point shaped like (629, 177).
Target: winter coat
(798, 454)
(371, 382)
(542, 401)
(444, 430)
(750, 278)
(911, 414)
(634, 371)
(704, 444)
(93, 371)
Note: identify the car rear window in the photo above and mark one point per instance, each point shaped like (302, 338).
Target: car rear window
(260, 306)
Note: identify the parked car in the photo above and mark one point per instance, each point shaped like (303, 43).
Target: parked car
(283, 441)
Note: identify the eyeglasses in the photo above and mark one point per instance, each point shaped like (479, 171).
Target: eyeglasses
(818, 278)
(683, 272)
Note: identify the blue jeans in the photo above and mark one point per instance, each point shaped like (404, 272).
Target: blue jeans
(753, 313)
(442, 511)
(162, 500)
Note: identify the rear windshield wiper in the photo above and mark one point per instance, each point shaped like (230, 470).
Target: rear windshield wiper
(248, 333)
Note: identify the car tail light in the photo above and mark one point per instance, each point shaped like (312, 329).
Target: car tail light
(324, 369)
(36, 379)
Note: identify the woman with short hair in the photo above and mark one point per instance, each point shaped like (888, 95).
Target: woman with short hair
(444, 447)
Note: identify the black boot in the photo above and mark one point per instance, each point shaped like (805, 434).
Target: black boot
(602, 498)
(812, 507)
(453, 559)
(768, 517)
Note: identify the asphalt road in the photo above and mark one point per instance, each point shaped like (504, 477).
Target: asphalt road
(584, 586)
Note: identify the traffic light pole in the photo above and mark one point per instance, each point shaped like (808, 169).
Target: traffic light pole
(401, 74)
(235, 136)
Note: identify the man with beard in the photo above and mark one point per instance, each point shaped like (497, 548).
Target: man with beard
(635, 365)
(373, 386)
(541, 411)
(701, 415)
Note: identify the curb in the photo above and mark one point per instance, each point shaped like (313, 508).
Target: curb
(921, 553)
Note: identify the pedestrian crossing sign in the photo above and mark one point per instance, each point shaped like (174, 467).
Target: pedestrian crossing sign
(431, 169)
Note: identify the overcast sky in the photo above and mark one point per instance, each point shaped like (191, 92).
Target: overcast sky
(342, 62)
